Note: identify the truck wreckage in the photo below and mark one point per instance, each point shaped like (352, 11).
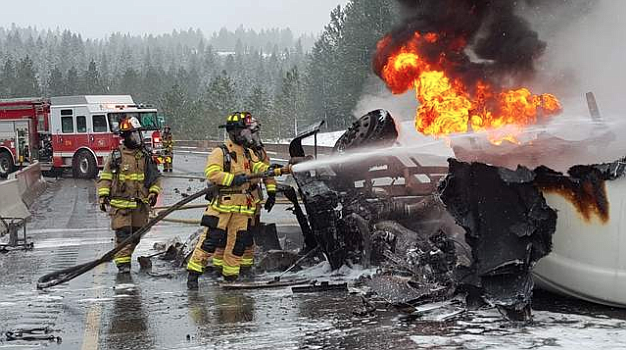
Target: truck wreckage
(438, 227)
(479, 226)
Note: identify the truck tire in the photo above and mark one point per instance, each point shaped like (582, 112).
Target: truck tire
(376, 128)
(6, 164)
(84, 165)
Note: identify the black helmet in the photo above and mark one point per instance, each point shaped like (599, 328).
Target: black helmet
(237, 125)
(237, 120)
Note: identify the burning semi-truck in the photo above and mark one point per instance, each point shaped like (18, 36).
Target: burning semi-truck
(69, 132)
(513, 196)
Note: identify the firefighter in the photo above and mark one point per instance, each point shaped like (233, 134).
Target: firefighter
(260, 154)
(168, 149)
(130, 185)
(230, 211)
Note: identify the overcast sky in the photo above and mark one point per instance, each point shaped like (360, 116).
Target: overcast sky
(96, 19)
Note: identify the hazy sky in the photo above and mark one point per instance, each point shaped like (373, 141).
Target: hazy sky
(95, 19)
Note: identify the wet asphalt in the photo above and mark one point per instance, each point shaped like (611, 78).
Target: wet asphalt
(101, 310)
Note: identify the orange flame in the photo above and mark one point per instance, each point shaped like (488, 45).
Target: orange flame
(447, 106)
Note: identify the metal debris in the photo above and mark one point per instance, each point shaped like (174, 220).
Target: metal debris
(32, 334)
(509, 227)
(324, 286)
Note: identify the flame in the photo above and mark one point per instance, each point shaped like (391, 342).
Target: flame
(448, 106)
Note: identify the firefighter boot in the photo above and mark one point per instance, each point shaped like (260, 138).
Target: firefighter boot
(246, 273)
(192, 280)
(230, 279)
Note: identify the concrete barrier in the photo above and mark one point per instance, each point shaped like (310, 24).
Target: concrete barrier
(11, 204)
(277, 148)
(30, 183)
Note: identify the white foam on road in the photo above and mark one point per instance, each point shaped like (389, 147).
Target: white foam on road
(548, 330)
(69, 242)
(66, 230)
(323, 271)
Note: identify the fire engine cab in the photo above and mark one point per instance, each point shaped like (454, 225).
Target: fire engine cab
(76, 132)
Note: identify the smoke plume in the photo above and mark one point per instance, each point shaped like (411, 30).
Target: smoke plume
(484, 40)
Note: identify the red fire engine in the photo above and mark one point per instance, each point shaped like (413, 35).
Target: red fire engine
(75, 132)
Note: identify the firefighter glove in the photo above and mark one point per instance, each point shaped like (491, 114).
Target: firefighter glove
(152, 199)
(274, 170)
(279, 170)
(104, 201)
(240, 179)
(271, 200)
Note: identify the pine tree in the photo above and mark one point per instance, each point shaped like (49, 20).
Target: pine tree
(56, 83)
(7, 78)
(323, 86)
(26, 84)
(259, 104)
(289, 105)
(151, 85)
(174, 106)
(72, 82)
(341, 59)
(91, 80)
(218, 102)
(130, 82)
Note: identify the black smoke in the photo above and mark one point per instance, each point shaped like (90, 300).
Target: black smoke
(501, 47)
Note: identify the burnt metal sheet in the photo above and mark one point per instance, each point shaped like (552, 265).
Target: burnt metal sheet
(584, 187)
(508, 225)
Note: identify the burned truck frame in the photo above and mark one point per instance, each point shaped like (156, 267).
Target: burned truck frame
(425, 217)
(342, 200)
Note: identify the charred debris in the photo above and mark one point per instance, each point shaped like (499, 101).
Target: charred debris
(437, 228)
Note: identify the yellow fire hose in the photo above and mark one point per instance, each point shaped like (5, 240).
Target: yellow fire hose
(183, 221)
(195, 206)
(57, 277)
(200, 206)
(191, 177)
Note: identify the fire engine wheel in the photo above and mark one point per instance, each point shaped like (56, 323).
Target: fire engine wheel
(84, 165)
(6, 164)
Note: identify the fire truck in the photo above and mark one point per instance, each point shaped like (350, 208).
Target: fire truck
(69, 132)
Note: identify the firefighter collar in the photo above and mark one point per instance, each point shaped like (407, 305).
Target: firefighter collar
(137, 153)
(233, 147)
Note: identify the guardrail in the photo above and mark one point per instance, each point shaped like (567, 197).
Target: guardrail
(278, 148)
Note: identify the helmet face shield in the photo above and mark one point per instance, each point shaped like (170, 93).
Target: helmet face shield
(255, 127)
(246, 137)
(255, 131)
(241, 136)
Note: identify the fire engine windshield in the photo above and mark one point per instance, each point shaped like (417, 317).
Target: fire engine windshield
(148, 120)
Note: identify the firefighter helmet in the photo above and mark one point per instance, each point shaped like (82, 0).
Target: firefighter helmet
(237, 120)
(129, 124)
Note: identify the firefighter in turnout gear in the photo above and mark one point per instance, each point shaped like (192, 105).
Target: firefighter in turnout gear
(259, 154)
(129, 184)
(168, 149)
(231, 210)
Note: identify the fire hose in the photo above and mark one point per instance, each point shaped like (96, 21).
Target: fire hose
(203, 206)
(61, 276)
